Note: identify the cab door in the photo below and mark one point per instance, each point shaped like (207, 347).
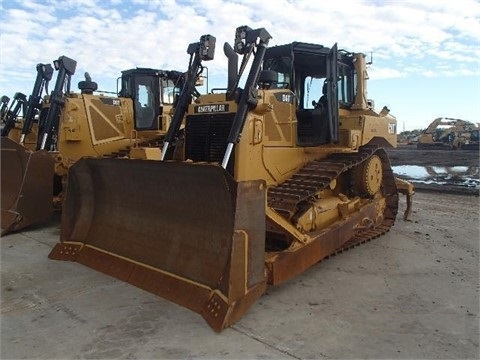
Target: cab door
(332, 93)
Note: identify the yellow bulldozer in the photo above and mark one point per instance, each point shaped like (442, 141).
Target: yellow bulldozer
(13, 114)
(276, 176)
(60, 128)
(4, 100)
(24, 129)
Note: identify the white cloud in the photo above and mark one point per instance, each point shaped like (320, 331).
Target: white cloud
(406, 37)
(385, 73)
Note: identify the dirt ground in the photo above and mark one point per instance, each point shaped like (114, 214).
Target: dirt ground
(447, 171)
(412, 293)
(410, 155)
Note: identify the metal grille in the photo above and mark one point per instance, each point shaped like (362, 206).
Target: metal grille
(206, 136)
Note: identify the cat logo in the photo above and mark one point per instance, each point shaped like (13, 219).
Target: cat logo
(110, 101)
(211, 108)
(285, 97)
(392, 128)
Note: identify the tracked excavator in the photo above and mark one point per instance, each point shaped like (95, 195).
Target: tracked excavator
(64, 126)
(446, 133)
(277, 175)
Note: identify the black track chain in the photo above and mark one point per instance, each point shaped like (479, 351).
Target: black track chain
(316, 175)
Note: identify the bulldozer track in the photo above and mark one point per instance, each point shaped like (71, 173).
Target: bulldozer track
(316, 175)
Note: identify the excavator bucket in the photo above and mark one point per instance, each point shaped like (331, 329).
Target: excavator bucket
(186, 232)
(26, 185)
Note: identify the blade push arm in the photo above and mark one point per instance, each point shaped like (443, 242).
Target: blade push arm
(18, 104)
(245, 44)
(44, 75)
(203, 50)
(3, 109)
(66, 68)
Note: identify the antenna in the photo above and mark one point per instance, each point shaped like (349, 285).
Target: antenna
(371, 59)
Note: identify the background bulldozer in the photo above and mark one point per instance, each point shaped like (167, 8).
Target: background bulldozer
(59, 129)
(278, 175)
(13, 114)
(450, 134)
(24, 129)
(4, 100)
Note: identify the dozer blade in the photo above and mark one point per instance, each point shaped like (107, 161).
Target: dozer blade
(186, 232)
(26, 186)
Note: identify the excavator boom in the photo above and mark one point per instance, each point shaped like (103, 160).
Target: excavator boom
(449, 133)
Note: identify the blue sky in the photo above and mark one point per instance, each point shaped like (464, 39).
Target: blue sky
(426, 54)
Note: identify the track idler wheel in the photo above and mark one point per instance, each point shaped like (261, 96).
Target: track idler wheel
(368, 177)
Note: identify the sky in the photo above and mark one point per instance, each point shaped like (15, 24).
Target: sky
(425, 53)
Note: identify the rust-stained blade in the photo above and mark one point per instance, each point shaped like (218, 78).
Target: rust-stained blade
(187, 232)
(26, 186)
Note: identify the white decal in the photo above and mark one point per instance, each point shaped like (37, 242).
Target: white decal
(392, 128)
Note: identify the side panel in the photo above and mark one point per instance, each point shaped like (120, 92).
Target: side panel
(372, 129)
(380, 130)
(94, 125)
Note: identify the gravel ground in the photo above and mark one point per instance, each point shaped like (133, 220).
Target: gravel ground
(446, 171)
(410, 155)
(410, 294)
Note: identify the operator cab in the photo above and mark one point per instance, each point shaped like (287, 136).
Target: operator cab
(150, 90)
(322, 79)
(475, 135)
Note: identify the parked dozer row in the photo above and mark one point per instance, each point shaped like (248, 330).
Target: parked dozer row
(17, 128)
(12, 113)
(4, 100)
(450, 134)
(58, 129)
(273, 177)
